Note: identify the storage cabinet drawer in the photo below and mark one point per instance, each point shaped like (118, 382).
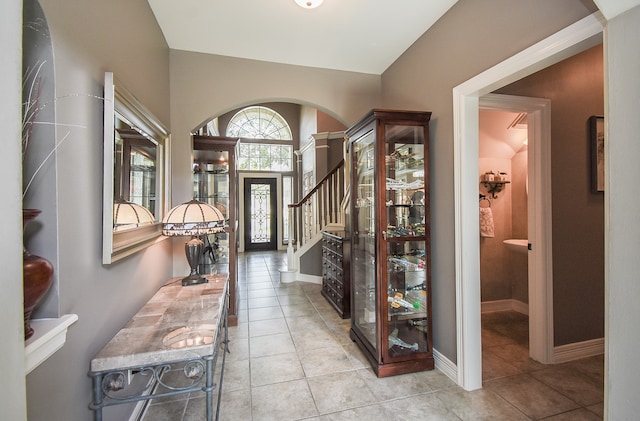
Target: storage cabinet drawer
(335, 272)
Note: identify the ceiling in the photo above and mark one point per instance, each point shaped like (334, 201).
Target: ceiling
(353, 35)
(497, 137)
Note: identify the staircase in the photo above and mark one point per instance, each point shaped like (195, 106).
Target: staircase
(321, 209)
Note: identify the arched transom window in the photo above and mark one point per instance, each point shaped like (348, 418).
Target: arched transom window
(272, 154)
(258, 122)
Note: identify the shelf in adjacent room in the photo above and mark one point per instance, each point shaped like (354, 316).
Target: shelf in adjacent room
(49, 336)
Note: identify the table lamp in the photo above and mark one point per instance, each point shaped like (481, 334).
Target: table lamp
(194, 218)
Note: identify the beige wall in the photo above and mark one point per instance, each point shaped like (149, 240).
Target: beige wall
(575, 88)
(471, 37)
(494, 268)
(88, 39)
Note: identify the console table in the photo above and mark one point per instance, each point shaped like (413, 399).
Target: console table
(179, 325)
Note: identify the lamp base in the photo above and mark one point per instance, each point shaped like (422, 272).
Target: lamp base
(193, 249)
(194, 280)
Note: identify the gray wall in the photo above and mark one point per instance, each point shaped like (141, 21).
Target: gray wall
(13, 396)
(473, 36)
(88, 39)
(449, 54)
(575, 88)
(204, 86)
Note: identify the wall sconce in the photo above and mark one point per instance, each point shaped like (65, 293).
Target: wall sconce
(194, 218)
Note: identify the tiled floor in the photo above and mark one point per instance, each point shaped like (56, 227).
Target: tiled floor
(291, 359)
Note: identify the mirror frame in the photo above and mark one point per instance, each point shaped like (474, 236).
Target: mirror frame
(117, 245)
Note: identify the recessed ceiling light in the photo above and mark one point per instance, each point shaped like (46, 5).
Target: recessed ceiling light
(309, 4)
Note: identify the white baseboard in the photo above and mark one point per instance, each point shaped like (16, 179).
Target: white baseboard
(445, 365)
(577, 350)
(505, 305)
(312, 279)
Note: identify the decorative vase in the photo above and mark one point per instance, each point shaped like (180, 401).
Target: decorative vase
(37, 276)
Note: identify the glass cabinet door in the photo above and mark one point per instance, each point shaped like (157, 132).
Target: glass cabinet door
(405, 238)
(363, 270)
(212, 186)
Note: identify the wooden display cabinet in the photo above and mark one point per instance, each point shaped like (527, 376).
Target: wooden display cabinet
(390, 246)
(215, 182)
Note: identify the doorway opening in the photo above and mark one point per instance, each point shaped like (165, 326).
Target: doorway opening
(515, 139)
(260, 216)
(565, 43)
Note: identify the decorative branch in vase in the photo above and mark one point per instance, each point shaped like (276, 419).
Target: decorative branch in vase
(37, 271)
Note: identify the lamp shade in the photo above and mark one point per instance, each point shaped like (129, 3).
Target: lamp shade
(193, 218)
(130, 215)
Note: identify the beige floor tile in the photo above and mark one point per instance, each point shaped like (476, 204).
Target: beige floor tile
(479, 405)
(313, 339)
(575, 415)
(275, 369)
(267, 327)
(264, 313)
(576, 385)
(262, 346)
(369, 412)
(299, 310)
(269, 403)
(168, 411)
(340, 391)
(241, 330)
(235, 406)
(395, 387)
(494, 367)
(236, 376)
(518, 356)
(318, 362)
(253, 303)
(531, 396)
(422, 407)
(259, 285)
(238, 349)
(288, 300)
(355, 355)
(261, 293)
(306, 324)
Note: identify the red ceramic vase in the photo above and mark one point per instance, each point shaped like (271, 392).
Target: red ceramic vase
(37, 276)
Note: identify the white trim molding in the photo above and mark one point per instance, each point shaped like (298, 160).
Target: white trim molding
(505, 305)
(578, 350)
(445, 365)
(50, 335)
(575, 38)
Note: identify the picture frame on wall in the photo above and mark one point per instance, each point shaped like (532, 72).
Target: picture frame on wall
(596, 134)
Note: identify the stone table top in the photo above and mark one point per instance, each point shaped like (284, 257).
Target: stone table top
(178, 323)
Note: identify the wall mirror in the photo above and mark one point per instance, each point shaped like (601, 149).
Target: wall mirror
(135, 173)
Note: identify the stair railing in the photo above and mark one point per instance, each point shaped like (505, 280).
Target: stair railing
(320, 207)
